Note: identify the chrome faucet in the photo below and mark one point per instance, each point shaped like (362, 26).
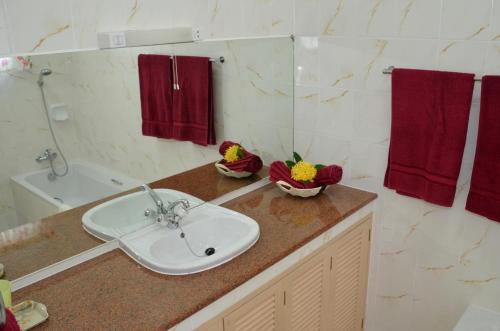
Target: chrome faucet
(165, 215)
(47, 154)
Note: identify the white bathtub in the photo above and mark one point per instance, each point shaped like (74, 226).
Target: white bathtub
(36, 197)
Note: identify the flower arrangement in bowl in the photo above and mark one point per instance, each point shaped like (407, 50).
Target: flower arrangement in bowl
(304, 179)
(237, 162)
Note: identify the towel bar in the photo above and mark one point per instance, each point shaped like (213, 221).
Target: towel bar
(220, 60)
(389, 69)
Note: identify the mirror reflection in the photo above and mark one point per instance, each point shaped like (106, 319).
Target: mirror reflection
(74, 133)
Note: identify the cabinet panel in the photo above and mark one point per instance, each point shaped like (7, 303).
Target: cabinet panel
(350, 256)
(262, 313)
(214, 325)
(327, 292)
(306, 295)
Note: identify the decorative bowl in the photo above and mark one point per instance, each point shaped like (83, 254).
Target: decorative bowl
(222, 169)
(303, 193)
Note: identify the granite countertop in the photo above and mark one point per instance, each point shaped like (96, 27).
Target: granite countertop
(114, 292)
(36, 245)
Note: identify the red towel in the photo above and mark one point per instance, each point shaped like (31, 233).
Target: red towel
(10, 322)
(430, 114)
(329, 175)
(279, 171)
(193, 115)
(484, 194)
(156, 95)
(249, 162)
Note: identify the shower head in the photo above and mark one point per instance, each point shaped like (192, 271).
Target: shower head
(43, 72)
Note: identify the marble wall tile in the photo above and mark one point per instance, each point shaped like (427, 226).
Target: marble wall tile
(338, 17)
(22, 117)
(381, 53)
(258, 17)
(4, 40)
(412, 14)
(372, 117)
(340, 59)
(494, 22)
(50, 29)
(254, 107)
(457, 55)
(93, 16)
(306, 21)
(282, 17)
(430, 262)
(492, 62)
(225, 18)
(307, 61)
(306, 107)
(335, 117)
(378, 18)
(69, 25)
(466, 20)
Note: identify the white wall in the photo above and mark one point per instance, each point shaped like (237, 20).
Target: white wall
(54, 25)
(253, 101)
(428, 262)
(23, 127)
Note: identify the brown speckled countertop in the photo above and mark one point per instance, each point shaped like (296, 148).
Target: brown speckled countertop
(112, 292)
(33, 246)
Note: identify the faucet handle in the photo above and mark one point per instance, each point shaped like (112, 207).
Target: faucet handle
(181, 212)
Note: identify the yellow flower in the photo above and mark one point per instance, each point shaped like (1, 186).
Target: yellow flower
(233, 153)
(304, 171)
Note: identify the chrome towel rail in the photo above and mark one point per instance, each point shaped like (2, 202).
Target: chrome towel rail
(389, 69)
(219, 60)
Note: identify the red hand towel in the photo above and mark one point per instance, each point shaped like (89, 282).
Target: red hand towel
(484, 194)
(279, 171)
(193, 114)
(156, 95)
(249, 162)
(329, 175)
(225, 145)
(10, 322)
(430, 114)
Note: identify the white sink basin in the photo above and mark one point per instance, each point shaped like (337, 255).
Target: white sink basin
(206, 227)
(117, 217)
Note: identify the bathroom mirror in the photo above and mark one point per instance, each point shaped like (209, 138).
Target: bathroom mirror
(93, 103)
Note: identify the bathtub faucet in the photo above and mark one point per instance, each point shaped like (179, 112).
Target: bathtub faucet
(47, 154)
(169, 215)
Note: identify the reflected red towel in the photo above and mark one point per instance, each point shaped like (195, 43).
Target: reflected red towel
(430, 114)
(10, 322)
(250, 162)
(193, 104)
(484, 194)
(279, 171)
(329, 175)
(156, 95)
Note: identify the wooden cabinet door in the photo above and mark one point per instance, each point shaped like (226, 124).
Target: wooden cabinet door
(264, 312)
(350, 257)
(306, 295)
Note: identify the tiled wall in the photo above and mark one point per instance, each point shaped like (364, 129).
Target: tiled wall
(22, 117)
(428, 262)
(253, 99)
(52, 25)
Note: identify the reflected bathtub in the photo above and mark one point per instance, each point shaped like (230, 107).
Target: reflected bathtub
(35, 196)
